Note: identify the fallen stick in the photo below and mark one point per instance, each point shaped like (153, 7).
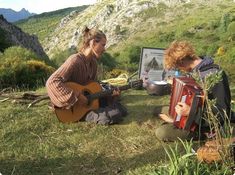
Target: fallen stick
(5, 99)
(38, 100)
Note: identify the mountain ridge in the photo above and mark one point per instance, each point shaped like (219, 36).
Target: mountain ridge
(13, 16)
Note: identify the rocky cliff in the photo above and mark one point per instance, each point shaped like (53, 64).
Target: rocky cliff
(15, 36)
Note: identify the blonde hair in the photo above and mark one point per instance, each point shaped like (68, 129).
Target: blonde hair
(90, 34)
(177, 52)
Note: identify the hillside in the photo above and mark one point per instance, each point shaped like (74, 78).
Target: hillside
(132, 24)
(147, 23)
(44, 24)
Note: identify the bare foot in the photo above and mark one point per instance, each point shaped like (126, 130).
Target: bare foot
(166, 118)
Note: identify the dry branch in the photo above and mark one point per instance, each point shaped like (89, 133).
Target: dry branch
(30, 98)
(38, 100)
(5, 90)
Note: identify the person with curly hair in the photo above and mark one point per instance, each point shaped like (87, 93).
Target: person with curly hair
(181, 55)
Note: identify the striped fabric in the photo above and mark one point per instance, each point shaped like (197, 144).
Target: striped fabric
(77, 68)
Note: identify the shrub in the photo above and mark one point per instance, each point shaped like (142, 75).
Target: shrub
(229, 69)
(24, 54)
(35, 74)
(231, 55)
(19, 52)
(116, 54)
(108, 61)
(9, 70)
(26, 73)
(134, 54)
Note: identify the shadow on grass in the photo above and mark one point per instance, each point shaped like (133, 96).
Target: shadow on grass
(84, 165)
(142, 108)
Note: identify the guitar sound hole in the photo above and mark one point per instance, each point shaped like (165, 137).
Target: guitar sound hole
(87, 94)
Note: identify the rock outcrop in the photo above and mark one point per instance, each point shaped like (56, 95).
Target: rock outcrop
(16, 37)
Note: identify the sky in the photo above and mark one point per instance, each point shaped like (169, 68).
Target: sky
(40, 6)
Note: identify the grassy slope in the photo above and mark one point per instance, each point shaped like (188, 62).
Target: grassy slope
(44, 24)
(201, 25)
(33, 141)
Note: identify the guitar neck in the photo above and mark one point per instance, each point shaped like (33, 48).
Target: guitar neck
(100, 94)
(107, 92)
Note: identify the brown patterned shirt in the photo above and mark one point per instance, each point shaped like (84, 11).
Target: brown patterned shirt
(77, 68)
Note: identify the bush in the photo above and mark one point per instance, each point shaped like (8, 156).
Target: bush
(30, 74)
(38, 72)
(22, 69)
(231, 55)
(24, 54)
(108, 61)
(134, 54)
(19, 52)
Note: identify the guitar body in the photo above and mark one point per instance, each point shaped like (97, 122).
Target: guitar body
(78, 111)
(93, 91)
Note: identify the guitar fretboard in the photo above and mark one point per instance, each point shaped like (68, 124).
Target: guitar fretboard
(109, 92)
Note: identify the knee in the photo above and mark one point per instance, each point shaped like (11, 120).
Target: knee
(166, 132)
(161, 133)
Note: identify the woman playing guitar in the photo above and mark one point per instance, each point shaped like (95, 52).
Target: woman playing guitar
(81, 69)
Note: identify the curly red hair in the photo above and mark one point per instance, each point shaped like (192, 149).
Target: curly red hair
(177, 52)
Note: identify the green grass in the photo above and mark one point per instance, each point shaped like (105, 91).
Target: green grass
(33, 141)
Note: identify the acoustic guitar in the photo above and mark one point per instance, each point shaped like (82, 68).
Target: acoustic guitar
(93, 91)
